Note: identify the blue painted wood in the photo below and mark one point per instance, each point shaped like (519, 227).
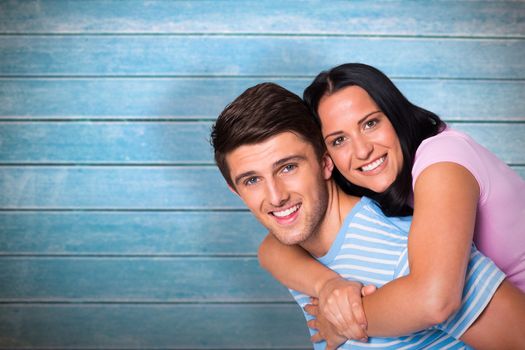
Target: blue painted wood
(200, 326)
(194, 98)
(151, 248)
(275, 56)
(137, 279)
(122, 142)
(173, 142)
(520, 170)
(115, 187)
(507, 141)
(444, 18)
(151, 188)
(202, 233)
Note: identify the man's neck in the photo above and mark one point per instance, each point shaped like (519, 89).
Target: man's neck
(339, 205)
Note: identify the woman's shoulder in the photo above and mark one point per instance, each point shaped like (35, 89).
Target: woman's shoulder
(446, 138)
(448, 146)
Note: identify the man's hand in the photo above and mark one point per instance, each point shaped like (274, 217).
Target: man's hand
(340, 303)
(325, 330)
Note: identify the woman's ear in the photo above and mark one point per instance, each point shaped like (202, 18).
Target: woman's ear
(327, 166)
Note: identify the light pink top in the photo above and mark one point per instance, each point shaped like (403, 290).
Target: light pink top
(500, 221)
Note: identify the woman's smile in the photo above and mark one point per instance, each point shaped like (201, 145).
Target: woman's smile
(360, 138)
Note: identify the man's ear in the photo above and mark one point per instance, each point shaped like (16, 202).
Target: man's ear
(327, 166)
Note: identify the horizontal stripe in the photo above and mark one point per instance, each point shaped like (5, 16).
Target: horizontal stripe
(379, 231)
(173, 142)
(346, 18)
(361, 237)
(364, 258)
(115, 187)
(151, 326)
(204, 97)
(369, 249)
(375, 221)
(154, 279)
(130, 233)
(365, 279)
(341, 266)
(125, 56)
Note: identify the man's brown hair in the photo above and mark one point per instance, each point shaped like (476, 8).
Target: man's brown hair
(259, 113)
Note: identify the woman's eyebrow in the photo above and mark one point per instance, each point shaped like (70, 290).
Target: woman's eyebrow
(368, 115)
(358, 122)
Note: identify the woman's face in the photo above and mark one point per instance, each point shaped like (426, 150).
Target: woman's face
(360, 139)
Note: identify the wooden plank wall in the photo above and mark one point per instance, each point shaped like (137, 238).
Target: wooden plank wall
(116, 230)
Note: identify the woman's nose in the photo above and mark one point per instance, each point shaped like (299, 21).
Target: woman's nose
(362, 147)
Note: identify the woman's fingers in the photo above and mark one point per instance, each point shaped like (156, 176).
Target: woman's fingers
(340, 302)
(367, 290)
(312, 309)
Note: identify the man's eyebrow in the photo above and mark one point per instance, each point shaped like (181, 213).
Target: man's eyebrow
(275, 165)
(358, 122)
(288, 159)
(239, 177)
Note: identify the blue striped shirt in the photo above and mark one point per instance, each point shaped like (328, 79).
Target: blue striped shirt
(372, 248)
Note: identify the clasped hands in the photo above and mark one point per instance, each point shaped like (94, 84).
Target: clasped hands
(339, 313)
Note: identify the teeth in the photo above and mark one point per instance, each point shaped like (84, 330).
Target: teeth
(281, 214)
(373, 165)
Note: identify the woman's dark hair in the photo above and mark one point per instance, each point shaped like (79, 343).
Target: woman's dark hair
(412, 124)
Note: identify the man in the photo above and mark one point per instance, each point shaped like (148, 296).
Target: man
(271, 154)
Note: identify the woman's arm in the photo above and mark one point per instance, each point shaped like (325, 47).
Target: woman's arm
(445, 196)
(500, 326)
(293, 266)
(296, 269)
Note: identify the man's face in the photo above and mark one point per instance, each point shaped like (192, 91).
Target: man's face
(283, 184)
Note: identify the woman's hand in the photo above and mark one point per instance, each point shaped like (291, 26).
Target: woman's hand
(325, 330)
(340, 303)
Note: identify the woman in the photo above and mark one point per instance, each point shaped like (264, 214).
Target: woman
(406, 159)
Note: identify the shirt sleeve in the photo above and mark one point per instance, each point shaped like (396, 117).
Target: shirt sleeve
(450, 146)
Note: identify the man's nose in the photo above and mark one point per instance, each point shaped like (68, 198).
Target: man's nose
(277, 194)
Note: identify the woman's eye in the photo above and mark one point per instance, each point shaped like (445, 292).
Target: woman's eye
(337, 141)
(370, 123)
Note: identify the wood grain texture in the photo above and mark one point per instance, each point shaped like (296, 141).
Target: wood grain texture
(189, 326)
(110, 188)
(204, 98)
(166, 142)
(116, 229)
(430, 18)
(142, 233)
(137, 279)
(278, 56)
(115, 187)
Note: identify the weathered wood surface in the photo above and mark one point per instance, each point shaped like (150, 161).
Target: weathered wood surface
(116, 230)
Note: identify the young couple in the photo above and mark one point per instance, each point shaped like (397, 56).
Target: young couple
(385, 156)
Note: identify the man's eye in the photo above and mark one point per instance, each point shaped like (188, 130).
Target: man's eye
(289, 168)
(251, 181)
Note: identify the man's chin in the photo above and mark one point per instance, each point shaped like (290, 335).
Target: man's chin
(287, 240)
